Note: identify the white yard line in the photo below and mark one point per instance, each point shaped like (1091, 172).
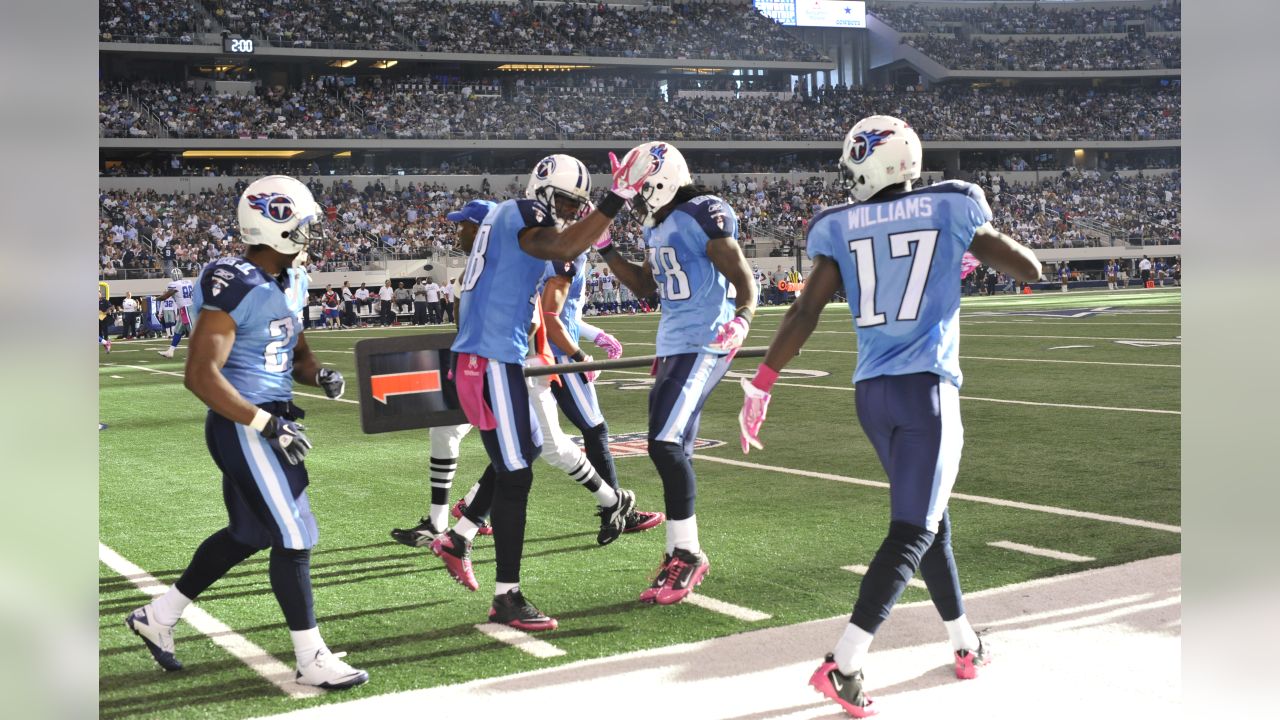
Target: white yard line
(258, 660)
(1042, 552)
(1003, 335)
(520, 640)
(118, 377)
(734, 611)
(862, 570)
(845, 388)
(784, 471)
(178, 374)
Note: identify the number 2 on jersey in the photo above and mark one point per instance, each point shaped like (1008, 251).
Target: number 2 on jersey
(475, 263)
(900, 246)
(275, 357)
(676, 285)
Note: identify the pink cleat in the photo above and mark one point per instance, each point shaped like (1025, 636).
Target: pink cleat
(845, 690)
(684, 572)
(456, 554)
(460, 507)
(650, 593)
(968, 662)
(640, 520)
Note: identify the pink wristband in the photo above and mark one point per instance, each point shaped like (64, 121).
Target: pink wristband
(765, 377)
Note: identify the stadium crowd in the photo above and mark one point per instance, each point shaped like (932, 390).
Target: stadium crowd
(1146, 53)
(713, 30)
(402, 110)
(1008, 19)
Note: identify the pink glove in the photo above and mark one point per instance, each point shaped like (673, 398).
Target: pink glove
(731, 335)
(590, 375)
(968, 263)
(630, 174)
(610, 344)
(755, 405)
(605, 241)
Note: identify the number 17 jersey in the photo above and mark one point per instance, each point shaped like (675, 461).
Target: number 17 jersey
(899, 258)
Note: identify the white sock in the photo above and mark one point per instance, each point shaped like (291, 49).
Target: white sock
(504, 588)
(683, 534)
(851, 651)
(306, 643)
(962, 635)
(439, 517)
(466, 528)
(605, 495)
(167, 608)
(471, 494)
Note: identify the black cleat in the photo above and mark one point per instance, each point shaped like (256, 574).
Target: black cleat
(417, 537)
(613, 520)
(512, 609)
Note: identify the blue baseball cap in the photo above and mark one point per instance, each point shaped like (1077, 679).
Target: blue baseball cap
(472, 212)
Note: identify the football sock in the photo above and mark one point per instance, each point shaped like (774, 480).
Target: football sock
(290, 572)
(851, 650)
(683, 534)
(596, 443)
(471, 494)
(585, 475)
(938, 569)
(510, 501)
(466, 528)
(961, 633)
(503, 588)
(214, 558)
(441, 473)
(678, 483)
(167, 608)
(306, 643)
(894, 564)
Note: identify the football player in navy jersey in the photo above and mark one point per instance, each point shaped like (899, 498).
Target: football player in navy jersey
(897, 254)
(246, 351)
(693, 258)
(506, 263)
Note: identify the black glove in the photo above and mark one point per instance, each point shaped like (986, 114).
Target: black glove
(288, 438)
(332, 382)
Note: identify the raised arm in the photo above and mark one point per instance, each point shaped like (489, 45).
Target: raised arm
(997, 250)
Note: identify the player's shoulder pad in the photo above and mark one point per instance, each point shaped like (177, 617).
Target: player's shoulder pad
(713, 215)
(973, 192)
(533, 213)
(225, 282)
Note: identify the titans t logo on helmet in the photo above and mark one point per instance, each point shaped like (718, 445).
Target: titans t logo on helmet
(545, 168)
(273, 206)
(865, 143)
(659, 153)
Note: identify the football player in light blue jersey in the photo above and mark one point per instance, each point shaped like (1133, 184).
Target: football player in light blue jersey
(896, 252)
(502, 274)
(245, 354)
(693, 257)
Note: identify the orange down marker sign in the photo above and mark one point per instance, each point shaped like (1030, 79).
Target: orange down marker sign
(405, 383)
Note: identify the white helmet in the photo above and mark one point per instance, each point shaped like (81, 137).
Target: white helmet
(279, 212)
(878, 152)
(562, 175)
(175, 274)
(663, 170)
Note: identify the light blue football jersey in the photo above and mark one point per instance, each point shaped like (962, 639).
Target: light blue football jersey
(900, 261)
(260, 364)
(498, 287)
(296, 292)
(576, 272)
(694, 293)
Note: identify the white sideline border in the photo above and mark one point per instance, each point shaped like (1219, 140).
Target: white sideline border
(240, 647)
(734, 611)
(520, 640)
(178, 374)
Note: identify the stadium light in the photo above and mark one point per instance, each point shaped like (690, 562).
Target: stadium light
(525, 66)
(343, 63)
(385, 64)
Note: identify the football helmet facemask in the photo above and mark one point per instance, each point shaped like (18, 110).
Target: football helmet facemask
(878, 152)
(562, 176)
(279, 212)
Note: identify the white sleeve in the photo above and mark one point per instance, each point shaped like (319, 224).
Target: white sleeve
(588, 331)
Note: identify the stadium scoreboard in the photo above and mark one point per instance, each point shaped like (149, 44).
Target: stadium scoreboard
(815, 13)
(237, 46)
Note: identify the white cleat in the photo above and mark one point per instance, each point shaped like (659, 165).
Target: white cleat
(327, 670)
(158, 638)
(167, 352)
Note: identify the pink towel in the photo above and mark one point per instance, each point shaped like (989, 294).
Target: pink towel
(470, 386)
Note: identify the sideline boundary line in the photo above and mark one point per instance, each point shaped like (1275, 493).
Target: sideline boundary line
(176, 374)
(1084, 514)
(240, 647)
(520, 640)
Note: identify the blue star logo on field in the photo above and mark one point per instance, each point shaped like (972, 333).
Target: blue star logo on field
(273, 206)
(636, 444)
(545, 167)
(864, 143)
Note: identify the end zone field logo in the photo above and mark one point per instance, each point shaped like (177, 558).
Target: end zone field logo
(637, 443)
